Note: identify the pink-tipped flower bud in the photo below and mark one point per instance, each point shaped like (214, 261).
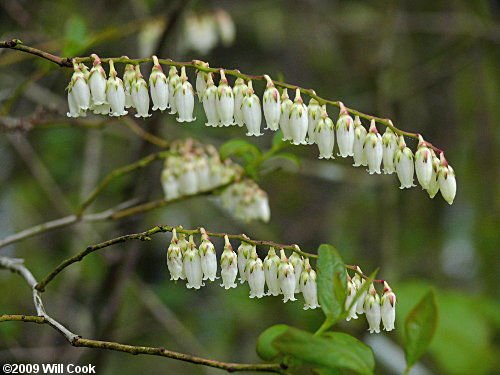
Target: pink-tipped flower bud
(208, 257)
(115, 92)
(373, 149)
(272, 105)
(423, 164)
(390, 145)
(158, 86)
(371, 307)
(252, 112)
(192, 266)
(286, 107)
(447, 181)
(358, 149)
(345, 133)
(184, 99)
(308, 286)
(388, 308)
(210, 103)
(324, 135)
(403, 160)
(286, 278)
(298, 120)
(240, 91)
(254, 270)
(225, 102)
(229, 265)
(271, 263)
(314, 115)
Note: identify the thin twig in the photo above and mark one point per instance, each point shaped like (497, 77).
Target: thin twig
(67, 62)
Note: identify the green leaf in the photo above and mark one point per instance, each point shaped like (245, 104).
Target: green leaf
(278, 143)
(327, 371)
(239, 147)
(76, 39)
(286, 156)
(265, 349)
(332, 351)
(420, 325)
(332, 283)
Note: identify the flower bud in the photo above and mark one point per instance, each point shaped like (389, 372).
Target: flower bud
(351, 294)
(244, 252)
(210, 103)
(254, 270)
(128, 82)
(403, 159)
(371, 307)
(140, 95)
(252, 115)
(272, 105)
(423, 164)
(388, 308)
(298, 121)
(314, 115)
(358, 282)
(188, 183)
(434, 184)
(80, 88)
(286, 107)
(297, 262)
(192, 266)
(358, 145)
(170, 185)
(173, 81)
(308, 286)
(345, 133)
(184, 99)
(271, 263)
(286, 278)
(324, 135)
(208, 257)
(174, 258)
(225, 101)
(373, 149)
(201, 81)
(240, 90)
(97, 82)
(229, 265)
(202, 171)
(115, 92)
(74, 109)
(390, 144)
(158, 86)
(447, 181)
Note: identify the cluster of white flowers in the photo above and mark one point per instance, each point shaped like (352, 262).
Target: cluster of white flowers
(246, 201)
(193, 169)
(239, 105)
(376, 309)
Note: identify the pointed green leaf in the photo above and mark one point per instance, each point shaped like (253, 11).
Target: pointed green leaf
(420, 325)
(332, 282)
(265, 349)
(332, 351)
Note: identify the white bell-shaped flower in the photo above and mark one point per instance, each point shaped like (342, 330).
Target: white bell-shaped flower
(252, 112)
(447, 181)
(115, 92)
(225, 101)
(80, 88)
(345, 132)
(388, 308)
(308, 286)
(245, 251)
(314, 115)
(97, 82)
(202, 173)
(351, 294)
(158, 86)
(271, 263)
(169, 184)
(298, 121)
(188, 183)
(240, 90)
(324, 135)
(173, 81)
(359, 142)
(271, 104)
(433, 187)
(297, 262)
(371, 307)
(128, 82)
(184, 99)
(254, 270)
(423, 164)
(192, 266)
(210, 103)
(403, 160)
(229, 265)
(201, 80)
(174, 259)
(208, 257)
(140, 95)
(286, 278)
(74, 110)
(358, 282)
(390, 145)
(286, 107)
(373, 149)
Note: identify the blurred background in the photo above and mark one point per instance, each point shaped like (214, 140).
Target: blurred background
(430, 66)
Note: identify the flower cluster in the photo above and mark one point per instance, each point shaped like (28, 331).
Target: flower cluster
(192, 169)
(376, 309)
(239, 105)
(246, 201)
(274, 276)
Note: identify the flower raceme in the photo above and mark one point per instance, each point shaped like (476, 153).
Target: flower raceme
(286, 276)
(240, 105)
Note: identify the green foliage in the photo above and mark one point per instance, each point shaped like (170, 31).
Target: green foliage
(420, 326)
(76, 39)
(332, 283)
(265, 347)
